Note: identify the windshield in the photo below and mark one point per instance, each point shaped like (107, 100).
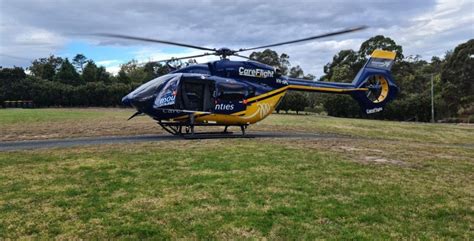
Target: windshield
(167, 95)
(149, 89)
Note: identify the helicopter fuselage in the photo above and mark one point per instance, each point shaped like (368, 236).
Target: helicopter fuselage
(240, 92)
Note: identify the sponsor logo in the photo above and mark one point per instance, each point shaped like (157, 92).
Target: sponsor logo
(374, 110)
(170, 111)
(224, 107)
(168, 100)
(380, 63)
(258, 73)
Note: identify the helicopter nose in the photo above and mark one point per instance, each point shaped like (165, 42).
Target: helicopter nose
(136, 102)
(126, 100)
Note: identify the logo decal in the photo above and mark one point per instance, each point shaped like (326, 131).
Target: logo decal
(374, 110)
(263, 109)
(380, 63)
(166, 100)
(258, 73)
(224, 107)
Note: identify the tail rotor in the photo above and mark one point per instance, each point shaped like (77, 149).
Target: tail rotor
(376, 78)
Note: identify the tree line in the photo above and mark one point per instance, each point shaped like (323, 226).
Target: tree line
(56, 81)
(452, 75)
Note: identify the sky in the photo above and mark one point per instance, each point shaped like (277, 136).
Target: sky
(31, 29)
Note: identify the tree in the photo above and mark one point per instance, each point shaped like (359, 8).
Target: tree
(268, 56)
(342, 73)
(347, 58)
(123, 77)
(12, 74)
(67, 74)
(89, 74)
(79, 61)
(309, 77)
(296, 72)
(343, 68)
(297, 101)
(284, 104)
(161, 69)
(341, 106)
(379, 42)
(8, 78)
(45, 68)
(155, 69)
(134, 73)
(284, 63)
(271, 58)
(457, 78)
(103, 75)
(293, 100)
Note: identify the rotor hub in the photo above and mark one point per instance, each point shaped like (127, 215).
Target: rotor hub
(224, 52)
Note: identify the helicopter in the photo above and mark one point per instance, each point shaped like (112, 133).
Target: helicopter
(240, 93)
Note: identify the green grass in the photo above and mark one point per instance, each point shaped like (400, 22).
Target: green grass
(237, 189)
(394, 180)
(21, 124)
(387, 130)
(30, 116)
(27, 124)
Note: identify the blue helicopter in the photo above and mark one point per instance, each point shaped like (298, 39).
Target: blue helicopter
(239, 93)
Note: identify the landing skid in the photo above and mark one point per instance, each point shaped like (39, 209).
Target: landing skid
(187, 130)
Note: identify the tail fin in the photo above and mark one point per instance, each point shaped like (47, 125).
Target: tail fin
(377, 78)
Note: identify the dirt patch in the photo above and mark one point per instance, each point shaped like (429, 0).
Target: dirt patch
(355, 150)
(381, 160)
(67, 129)
(351, 148)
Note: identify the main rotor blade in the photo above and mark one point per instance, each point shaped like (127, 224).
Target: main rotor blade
(15, 57)
(307, 39)
(111, 35)
(187, 57)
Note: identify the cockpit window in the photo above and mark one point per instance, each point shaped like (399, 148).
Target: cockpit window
(149, 89)
(167, 95)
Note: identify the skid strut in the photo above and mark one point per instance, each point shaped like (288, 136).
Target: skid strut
(187, 129)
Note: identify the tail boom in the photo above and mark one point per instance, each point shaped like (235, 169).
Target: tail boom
(373, 87)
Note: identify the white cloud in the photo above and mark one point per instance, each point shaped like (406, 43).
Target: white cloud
(31, 29)
(25, 42)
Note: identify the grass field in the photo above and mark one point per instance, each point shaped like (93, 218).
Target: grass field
(27, 124)
(397, 181)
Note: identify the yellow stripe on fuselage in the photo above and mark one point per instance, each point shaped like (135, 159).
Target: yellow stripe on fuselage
(263, 105)
(262, 96)
(324, 89)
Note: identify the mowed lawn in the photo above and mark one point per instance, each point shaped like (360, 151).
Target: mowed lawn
(30, 124)
(394, 181)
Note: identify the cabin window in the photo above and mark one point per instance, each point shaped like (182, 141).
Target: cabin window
(196, 94)
(233, 91)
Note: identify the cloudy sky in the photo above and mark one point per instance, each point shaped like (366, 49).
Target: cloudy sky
(38, 28)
